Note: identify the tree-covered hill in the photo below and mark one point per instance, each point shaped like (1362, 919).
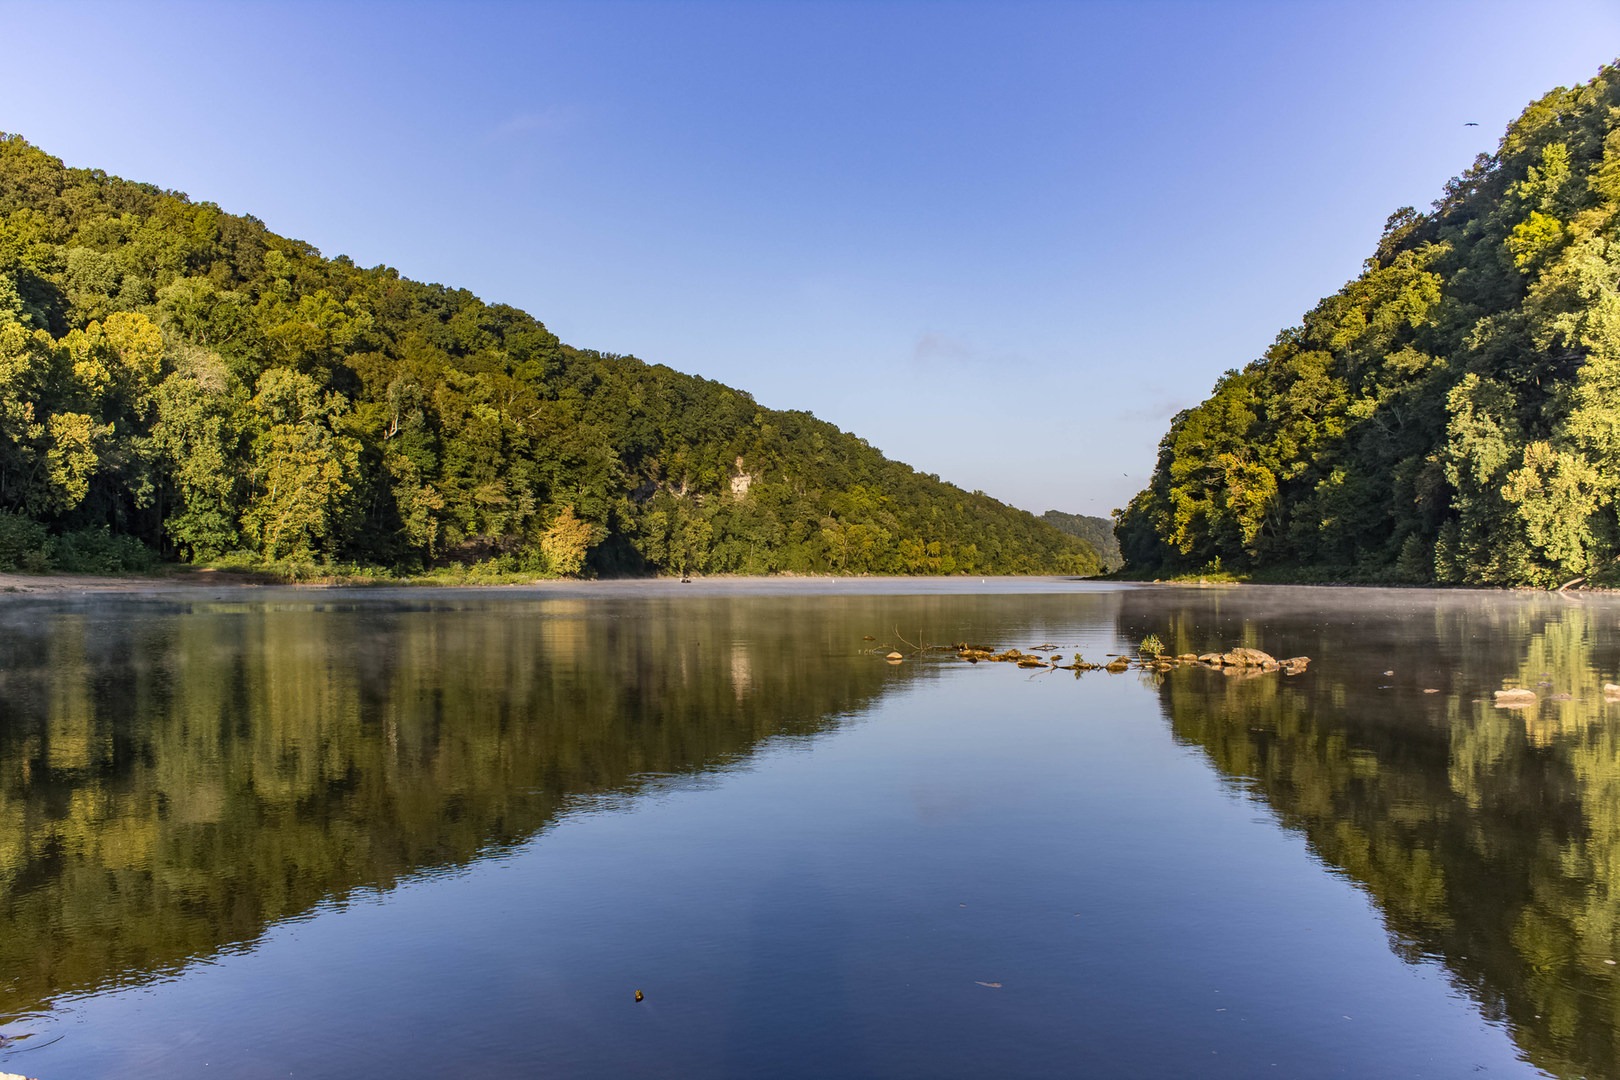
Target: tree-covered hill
(1452, 414)
(1096, 531)
(180, 379)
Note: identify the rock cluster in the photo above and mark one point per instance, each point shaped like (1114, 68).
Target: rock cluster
(974, 654)
(1233, 662)
(1517, 698)
(1251, 658)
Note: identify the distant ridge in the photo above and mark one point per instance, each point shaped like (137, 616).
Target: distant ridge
(1096, 531)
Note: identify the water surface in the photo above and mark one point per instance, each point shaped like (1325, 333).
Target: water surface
(334, 833)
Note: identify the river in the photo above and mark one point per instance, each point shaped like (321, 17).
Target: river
(709, 830)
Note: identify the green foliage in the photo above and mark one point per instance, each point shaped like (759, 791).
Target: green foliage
(199, 435)
(22, 543)
(1096, 531)
(190, 379)
(1452, 414)
(100, 551)
(301, 470)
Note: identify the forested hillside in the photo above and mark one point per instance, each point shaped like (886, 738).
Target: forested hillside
(1096, 531)
(1452, 414)
(179, 380)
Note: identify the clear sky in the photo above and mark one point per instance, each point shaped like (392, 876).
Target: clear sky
(1003, 242)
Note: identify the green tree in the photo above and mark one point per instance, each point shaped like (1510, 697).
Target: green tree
(200, 433)
(302, 470)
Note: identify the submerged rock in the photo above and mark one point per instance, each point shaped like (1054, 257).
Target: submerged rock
(1515, 699)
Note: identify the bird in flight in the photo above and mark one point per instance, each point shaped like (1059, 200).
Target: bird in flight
(1472, 123)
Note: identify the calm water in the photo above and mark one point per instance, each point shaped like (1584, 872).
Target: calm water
(340, 834)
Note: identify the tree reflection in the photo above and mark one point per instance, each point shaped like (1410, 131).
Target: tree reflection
(176, 779)
(1489, 837)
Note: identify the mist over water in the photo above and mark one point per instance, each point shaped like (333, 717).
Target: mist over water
(337, 833)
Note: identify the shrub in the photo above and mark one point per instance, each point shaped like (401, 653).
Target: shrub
(99, 551)
(22, 543)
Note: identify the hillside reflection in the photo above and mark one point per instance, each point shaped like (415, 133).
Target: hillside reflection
(1490, 838)
(176, 777)
(174, 781)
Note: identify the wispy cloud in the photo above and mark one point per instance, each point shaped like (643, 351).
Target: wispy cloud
(547, 120)
(934, 350)
(1159, 408)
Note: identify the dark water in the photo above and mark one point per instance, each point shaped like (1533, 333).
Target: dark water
(344, 834)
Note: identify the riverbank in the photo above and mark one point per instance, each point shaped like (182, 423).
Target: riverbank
(52, 584)
(186, 579)
(188, 582)
(174, 577)
(1607, 580)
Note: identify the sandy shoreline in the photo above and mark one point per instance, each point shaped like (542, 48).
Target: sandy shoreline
(194, 582)
(67, 584)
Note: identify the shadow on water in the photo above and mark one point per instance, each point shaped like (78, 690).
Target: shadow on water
(178, 776)
(1489, 837)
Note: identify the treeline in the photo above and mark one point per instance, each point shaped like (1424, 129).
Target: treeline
(1451, 415)
(179, 381)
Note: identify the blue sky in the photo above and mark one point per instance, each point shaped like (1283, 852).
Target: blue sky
(1001, 242)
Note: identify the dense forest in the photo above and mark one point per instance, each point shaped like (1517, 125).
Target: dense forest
(1451, 415)
(1096, 531)
(180, 382)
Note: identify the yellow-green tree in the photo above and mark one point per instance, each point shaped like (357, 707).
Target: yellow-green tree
(566, 542)
(303, 470)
